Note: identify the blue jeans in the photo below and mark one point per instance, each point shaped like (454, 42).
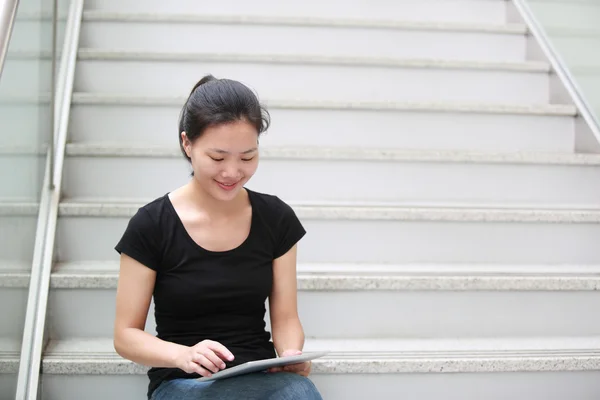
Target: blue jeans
(256, 386)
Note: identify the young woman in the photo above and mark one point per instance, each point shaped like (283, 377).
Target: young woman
(211, 252)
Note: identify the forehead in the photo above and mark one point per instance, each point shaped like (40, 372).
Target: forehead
(235, 136)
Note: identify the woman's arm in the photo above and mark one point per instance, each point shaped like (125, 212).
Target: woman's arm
(134, 293)
(283, 305)
(288, 335)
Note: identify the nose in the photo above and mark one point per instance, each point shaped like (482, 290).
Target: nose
(231, 171)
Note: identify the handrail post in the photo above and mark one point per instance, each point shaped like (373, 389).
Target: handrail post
(51, 144)
(8, 12)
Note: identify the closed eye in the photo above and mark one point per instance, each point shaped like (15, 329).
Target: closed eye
(248, 159)
(217, 159)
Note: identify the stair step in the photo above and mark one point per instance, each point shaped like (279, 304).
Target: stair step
(434, 126)
(373, 234)
(91, 54)
(473, 11)
(305, 21)
(27, 172)
(451, 107)
(373, 356)
(451, 369)
(18, 223)
(293, 34)
(341, 277)
(9, 355)
(474, 177)
(437, 303)
(35, 34)
(23, 74)
(396, 80)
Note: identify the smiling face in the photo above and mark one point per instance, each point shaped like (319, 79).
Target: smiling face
(224, 158)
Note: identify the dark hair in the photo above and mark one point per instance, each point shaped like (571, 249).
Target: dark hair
(215, 101)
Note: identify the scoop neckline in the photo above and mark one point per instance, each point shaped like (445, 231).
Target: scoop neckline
(203, 249)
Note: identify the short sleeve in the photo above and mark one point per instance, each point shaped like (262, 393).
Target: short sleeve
(141, 240)
(289, 230)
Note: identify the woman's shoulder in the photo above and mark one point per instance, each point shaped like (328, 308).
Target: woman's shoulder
(268, 203)
(151, 213)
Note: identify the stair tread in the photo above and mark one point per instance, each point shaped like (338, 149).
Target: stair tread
(130, 55)
(80, 98)
(111, 16)
(73, 209)
(366, 270)
(115, 208)
(383, 347)
(374, 277)
(97, 356)
(349, 153)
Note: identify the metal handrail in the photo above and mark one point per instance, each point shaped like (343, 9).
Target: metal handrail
(33, 338)
(557, 63)
(8, 12)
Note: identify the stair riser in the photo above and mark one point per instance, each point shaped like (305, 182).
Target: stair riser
(435, 10)
(24, 180)
(35, 35)
(332, 128)
(26, 77)
(28, 124)
(13, 304)
(313, 180)
(383, 241)
(8, 386)
(334, 83)
(18, 238)
(333, 314)
(467, 386)
(170, 37)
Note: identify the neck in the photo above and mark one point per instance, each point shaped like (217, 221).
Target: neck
(213, 206)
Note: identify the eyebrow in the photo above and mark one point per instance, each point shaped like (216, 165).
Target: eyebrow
(252, 150)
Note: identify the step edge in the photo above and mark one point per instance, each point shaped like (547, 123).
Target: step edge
(382, 282)
(67, 209)
(364, 364)
(350, 154)
(158, 17)
(83, 98)
(90, 54)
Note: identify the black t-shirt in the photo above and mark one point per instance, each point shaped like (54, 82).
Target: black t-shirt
(200, 294)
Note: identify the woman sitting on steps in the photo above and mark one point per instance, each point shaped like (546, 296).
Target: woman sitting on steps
(211, 252)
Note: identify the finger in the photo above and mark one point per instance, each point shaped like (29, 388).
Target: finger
(288, 353)
(294, 367)
(206, 362)
(220, 349)
(214, 358)
(275, 369)
(197, 368)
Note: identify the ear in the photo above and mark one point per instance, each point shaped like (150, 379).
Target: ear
(187, 145)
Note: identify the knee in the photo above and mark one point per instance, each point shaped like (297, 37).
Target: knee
(298, 388)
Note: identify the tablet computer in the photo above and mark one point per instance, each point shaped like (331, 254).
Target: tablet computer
(262, 365)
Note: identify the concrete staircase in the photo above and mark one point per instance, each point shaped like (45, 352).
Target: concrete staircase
(452, 248)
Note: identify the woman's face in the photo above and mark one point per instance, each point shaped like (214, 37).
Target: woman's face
(224, 158)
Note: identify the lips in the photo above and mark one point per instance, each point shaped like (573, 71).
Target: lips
(227, 186)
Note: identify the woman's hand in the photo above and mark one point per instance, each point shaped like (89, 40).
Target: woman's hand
(300, 369)
(203, 358)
